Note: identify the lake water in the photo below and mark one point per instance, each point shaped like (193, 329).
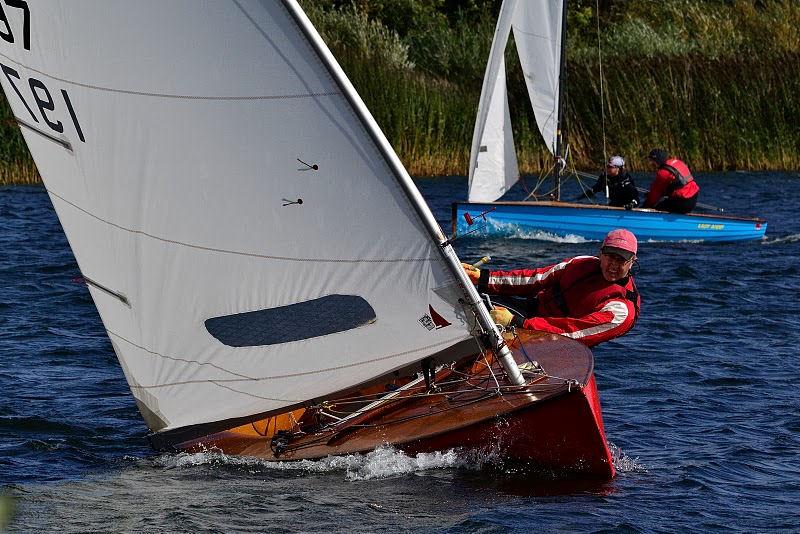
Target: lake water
(700, 404)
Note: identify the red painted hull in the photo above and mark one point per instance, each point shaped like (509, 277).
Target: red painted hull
(564, 435)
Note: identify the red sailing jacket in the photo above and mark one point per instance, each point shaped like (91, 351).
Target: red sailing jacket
(664, 182)
(573, 299)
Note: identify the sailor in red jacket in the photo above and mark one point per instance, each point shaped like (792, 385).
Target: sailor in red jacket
(585, 298)
(674, 188)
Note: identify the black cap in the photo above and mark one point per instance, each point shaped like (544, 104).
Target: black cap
(659, 155)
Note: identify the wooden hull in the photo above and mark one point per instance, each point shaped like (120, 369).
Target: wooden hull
(554, 423)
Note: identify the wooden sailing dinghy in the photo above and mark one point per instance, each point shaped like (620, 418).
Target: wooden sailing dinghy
(270, 278)
(553, 421)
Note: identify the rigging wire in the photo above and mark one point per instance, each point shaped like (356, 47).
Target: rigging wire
(533, 192)
(602, 92)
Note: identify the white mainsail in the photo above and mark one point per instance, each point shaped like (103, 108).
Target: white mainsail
(246, 242)
(537, 33)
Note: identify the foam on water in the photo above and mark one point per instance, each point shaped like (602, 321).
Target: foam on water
(517, 232)
(791, 238)
(624, 463)
(383, 462)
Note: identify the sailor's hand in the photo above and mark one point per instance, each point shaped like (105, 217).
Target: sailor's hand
(501, 316)
(473, 272)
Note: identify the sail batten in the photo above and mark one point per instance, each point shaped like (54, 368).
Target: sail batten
(220, 173)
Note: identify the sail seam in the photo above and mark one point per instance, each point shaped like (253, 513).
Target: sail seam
(223, 386)
(169, 95)
(247, 254)
(218, 381)
(173, 358)
(532, 34)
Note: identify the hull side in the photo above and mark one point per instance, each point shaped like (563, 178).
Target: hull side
(564, 435)
(593, 222)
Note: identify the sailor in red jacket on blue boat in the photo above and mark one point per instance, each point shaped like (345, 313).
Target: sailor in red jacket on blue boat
(674, 188)
(586, 298)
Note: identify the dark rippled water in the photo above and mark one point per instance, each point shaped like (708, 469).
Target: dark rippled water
(700, 403)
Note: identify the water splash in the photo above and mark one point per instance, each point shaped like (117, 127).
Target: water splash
(624, 463)
(791, 238)
(539, 235)
(383, 462)
(515, 231)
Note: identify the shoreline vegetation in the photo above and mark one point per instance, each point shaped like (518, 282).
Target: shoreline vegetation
(716, 82)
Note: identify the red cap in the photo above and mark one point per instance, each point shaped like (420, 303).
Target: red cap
(620, 241)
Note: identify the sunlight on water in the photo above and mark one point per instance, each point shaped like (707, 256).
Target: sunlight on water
(383, 462)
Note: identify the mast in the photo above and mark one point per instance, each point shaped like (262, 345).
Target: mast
(561, 136)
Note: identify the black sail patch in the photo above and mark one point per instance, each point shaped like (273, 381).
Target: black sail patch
(293, 322)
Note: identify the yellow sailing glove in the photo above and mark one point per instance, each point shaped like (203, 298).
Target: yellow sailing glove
(501, 316)
(473, 272)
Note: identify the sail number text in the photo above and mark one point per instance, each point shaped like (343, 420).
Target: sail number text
(49, 109)
(5, 25)
(45, 103)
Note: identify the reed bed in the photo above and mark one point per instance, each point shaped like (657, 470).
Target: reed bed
(16, 164)
(19, 173)
(715, 82)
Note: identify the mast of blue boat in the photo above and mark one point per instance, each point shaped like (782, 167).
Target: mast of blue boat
(561, 160)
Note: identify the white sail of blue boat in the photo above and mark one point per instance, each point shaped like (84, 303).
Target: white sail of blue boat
(540, 35)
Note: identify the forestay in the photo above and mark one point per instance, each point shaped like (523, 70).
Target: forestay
(245, 241)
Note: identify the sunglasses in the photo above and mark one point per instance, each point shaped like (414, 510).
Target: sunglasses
(613, 256)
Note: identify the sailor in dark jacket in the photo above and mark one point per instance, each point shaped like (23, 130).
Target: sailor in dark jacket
(622, 191)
